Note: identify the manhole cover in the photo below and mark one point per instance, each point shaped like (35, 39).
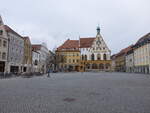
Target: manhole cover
(69, 99)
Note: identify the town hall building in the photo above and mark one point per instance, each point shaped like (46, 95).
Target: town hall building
(93, 51)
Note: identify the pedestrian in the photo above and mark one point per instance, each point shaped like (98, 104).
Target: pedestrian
(48, 73)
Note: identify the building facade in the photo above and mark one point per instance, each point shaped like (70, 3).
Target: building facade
(130, 61)
(95, 54)
(68, 56)
(120, 59)
(113, 62)
(142, 55)
(15, 51)
(35, 62)
(44, 55)
(27, 61)
(85, 54)
(3, 47)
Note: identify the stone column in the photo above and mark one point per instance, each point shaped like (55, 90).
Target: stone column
(102, 56)
(95, 55)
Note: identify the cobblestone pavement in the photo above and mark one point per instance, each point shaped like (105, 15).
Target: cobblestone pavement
(76, 93)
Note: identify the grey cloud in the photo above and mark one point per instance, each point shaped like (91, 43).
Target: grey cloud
(122, 22)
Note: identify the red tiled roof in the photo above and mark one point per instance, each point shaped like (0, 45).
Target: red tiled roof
(147, 36)
(124, 51)
(36, 47)
(69, 44)
(75, 44)
(86, 42)
(8, 29)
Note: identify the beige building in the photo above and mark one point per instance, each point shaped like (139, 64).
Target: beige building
(27, 61)
(120, 59)
(130, 60)
(142, 54)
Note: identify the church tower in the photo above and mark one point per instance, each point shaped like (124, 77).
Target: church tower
(1, 21)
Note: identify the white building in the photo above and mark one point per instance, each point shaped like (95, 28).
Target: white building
(11, 50)
(15, 51)
(44, 53)
(35, 62)
(3, 47)
(96, 47)
(142, 55)
(95, 52)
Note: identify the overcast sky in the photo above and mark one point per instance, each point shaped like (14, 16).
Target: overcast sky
(122, 22)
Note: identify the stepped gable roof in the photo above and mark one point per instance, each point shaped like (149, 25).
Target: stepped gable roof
(143, 39)
(69, 44)
(124, 51)
(86, 42)
(8, 29)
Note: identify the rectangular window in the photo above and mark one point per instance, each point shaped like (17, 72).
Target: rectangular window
(0, 42)
(4, 43)
(1, 32)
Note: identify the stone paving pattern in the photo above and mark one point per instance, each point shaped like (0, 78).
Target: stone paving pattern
(76, 93)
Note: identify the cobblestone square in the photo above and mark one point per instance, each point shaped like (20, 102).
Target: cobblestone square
(91, 92)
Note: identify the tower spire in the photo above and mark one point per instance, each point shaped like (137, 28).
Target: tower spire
(98, 30)
(1, 21)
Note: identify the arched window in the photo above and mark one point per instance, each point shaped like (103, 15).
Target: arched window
(98, 57)
(36, 62)
(105, 58)
(4, 56)
(82, 57)
(92, 57)
(101, 66)
(85, 57)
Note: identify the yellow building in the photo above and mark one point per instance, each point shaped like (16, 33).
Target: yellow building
(27, 61)
(68, 56)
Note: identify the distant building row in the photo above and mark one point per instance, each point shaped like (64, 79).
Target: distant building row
(135, 58)
(17, 55)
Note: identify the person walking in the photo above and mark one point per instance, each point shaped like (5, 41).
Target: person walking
(48, 73)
